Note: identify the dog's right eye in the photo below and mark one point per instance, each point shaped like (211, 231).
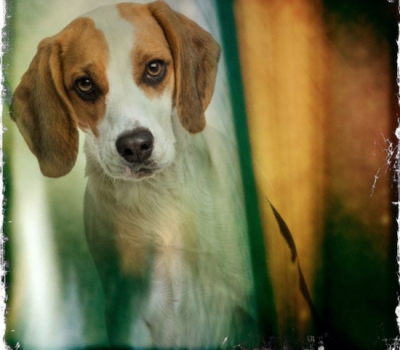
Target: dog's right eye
(155, 72)
(84, 85)
(86, 89)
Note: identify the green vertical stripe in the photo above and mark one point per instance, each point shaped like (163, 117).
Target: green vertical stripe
(263, 290)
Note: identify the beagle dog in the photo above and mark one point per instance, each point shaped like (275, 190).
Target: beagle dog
(164, 214)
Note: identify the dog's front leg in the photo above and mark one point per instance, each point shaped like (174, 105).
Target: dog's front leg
(126, 326)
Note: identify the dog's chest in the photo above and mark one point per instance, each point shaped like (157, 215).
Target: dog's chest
(185, 272)
(186, 243)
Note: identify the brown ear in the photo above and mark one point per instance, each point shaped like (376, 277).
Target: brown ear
(44, 114)
(196, 56)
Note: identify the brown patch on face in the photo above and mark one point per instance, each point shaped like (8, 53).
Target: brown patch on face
(45, 108)
(196, 56)
(85, 54)
(150, 46)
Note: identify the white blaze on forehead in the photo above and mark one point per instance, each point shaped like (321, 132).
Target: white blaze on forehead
(125, 99)
(127, 105)
(119, 34)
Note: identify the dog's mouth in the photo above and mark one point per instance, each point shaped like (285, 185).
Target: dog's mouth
(140, 171)
(117, 168)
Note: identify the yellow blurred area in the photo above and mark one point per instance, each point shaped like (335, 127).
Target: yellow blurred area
(319, 96)
(283, 64)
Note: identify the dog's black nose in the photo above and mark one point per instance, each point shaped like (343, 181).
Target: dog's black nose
(135, 147)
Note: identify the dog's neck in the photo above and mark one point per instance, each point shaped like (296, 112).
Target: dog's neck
(154, 211)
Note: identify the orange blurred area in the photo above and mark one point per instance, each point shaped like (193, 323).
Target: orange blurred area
(320, 91)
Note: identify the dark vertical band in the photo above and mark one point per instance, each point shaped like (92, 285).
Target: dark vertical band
(263, 290)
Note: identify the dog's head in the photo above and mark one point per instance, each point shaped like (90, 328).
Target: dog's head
(119, 73)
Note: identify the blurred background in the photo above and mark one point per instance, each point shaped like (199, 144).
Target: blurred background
(319, 82)
(320, 89)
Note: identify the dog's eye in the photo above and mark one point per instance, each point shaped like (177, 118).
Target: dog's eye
(86, 89)
(155, 69)
(84, 85)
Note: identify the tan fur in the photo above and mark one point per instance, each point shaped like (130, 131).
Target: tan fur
(85, 54)
(44, 114)
(44, 107)
(196, 56)
(150, 45)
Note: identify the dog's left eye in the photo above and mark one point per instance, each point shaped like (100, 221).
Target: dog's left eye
(155, 69)
(86, 88)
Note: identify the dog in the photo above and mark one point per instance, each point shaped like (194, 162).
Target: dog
(164, 214)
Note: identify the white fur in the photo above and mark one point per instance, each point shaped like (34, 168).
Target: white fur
(127, 105)
(183, 216)
(182, 231)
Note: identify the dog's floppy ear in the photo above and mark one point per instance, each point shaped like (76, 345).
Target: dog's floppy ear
(44, 114)
(196, 56)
